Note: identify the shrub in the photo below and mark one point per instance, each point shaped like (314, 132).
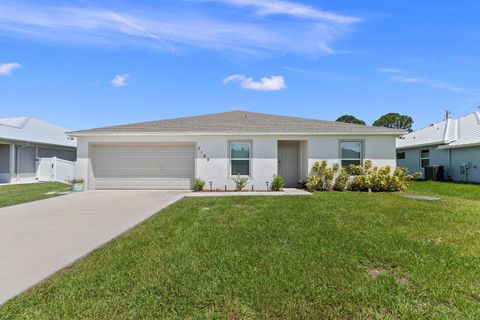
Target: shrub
(376, 179)
(365, 178)
(77, 181)
(240, 182)
(342, 180)
(278, 183)
(198, 184)
(312, 183)
(322, 177)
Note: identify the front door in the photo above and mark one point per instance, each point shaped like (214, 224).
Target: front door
(288, 162)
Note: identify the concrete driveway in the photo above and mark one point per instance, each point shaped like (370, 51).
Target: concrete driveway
(42, 237)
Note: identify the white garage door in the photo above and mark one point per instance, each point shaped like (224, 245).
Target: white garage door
(144, 167)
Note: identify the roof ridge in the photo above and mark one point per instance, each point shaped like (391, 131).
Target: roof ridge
(447, 129)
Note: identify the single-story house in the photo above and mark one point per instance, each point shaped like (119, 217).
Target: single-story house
(25, 140)
(451, 143)
(169, 154)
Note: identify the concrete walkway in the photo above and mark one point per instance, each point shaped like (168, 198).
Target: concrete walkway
(42, 237)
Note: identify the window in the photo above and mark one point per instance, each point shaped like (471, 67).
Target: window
(400, 155)
(351, 153)
(425, 158)
(240, 158)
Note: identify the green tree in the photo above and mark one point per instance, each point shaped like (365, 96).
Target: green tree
(348, 118)
(395, 121)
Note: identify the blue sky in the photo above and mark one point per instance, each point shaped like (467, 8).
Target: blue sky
(84, 64)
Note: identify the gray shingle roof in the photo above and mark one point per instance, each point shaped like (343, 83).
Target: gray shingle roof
(240, 122)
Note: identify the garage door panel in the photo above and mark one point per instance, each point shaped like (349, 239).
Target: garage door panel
(143, 183)
(144, 167)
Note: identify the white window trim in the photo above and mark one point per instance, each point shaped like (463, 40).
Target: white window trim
(421, 159)
(250, 142)
(362, 151)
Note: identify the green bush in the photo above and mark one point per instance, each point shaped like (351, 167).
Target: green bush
(322, 176)
(278, 183)
(198, 184)
(369, 178)
(342, 180)
(365, 178)
(240, 182)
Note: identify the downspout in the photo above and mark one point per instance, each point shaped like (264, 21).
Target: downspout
(18, 159)
(449, 170)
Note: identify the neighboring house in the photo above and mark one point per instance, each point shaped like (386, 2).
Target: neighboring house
(169, 154)
(24, 141)
(451, 143)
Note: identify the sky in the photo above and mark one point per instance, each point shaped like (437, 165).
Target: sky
(84, 64)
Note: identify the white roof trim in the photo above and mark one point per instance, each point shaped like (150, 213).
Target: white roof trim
(440, 144)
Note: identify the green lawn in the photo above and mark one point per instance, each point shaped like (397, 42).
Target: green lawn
(447, 189)
(21, 193)
(332, 255)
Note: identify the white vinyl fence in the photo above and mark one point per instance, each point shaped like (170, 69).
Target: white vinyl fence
(54, 169)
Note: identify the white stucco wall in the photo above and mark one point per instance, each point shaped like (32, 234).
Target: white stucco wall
(214, 166)
(379, 149)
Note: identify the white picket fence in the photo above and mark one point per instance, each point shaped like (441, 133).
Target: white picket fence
(54, 169)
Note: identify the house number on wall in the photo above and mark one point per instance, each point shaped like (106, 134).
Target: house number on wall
(202, 154)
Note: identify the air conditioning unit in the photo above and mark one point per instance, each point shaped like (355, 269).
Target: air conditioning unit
(434, 173)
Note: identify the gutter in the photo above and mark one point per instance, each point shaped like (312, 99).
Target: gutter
(439, 144)
(475, 144)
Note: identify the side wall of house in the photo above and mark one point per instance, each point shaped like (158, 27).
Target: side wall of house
(438, 157)
(463, 155)
(212, 161)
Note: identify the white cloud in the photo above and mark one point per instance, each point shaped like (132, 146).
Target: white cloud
(7, 68)
(389, 70)
(399, 75)
(305, 29)
(429, 83)
(280, 7)
(120, 80)
(234, 77)
(272, 83)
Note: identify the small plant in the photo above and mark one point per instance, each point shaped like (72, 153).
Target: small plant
(240, 182)
(77, 181)
(77, 184)
(278, 183)
(198, 184)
